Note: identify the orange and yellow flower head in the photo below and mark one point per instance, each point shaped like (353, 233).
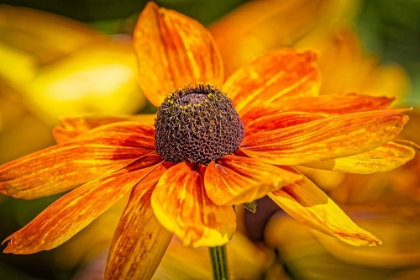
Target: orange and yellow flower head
(213, 145)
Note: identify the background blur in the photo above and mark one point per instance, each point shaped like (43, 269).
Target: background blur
(74, 58)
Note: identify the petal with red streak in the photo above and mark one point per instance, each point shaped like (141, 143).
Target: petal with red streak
(384, 158)
(94, 154)
(269, 122)
(182, 206)
(309, 205)
(235, 180)
(327, 138)
(72, 212)
(70, 128)
(139, 241)
(278, 73)
(335, 103)
(173, 51)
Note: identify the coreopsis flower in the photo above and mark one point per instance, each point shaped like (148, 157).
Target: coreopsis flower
(212, 146)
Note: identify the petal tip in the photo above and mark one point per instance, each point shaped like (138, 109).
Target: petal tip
(151, 5)
(10, 246)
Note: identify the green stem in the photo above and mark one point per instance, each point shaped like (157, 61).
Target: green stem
(219, 263)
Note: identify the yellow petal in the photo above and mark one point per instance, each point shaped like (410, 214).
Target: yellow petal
(96, 153)
(72, 212)
(70, 128)
(182, 206)
(235, 180)
(139, 241)
(384, 158)
(173, 51)
(62, 67)
(327, 138)
(281, 72)
(305, 202)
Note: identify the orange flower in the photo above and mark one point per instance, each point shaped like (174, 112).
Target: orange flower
(207, 151)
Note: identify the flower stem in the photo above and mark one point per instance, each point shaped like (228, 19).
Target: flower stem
(219, 262)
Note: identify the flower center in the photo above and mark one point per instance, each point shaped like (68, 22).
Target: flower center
(197, 124)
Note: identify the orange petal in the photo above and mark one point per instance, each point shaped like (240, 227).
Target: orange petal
(335, 103)
(139, 241)
(72, 212)
(173, 51)
(327, 138)
(269, 122)
(384, 158)
(282, 72)
(182, 206)
(70, 128)
(305, 202)
(235, 180)
(271, 115)
(96, 153)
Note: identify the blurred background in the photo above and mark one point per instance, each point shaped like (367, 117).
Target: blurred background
(74, 58)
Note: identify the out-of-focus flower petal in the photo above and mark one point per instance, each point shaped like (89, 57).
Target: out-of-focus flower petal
(396, 223)
(245, 260)
(98, 79)
(189, 212)
(278, 73)
(31, 38)
(305, 258)
(173, 51)
(59, 66)
(235, 180)
(259, 26)
(70, 128)
(96, 153)
(384, 158)
(72, 212)
(327, 138)
(347, 68)
(305, 202)
(140, 240)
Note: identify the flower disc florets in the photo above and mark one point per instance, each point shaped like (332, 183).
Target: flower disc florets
(197, 124)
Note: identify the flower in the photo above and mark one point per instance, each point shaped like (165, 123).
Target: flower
(53, 66)
(212, 148)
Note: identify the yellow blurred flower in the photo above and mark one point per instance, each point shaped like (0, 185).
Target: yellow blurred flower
(62, 67)
(53, 66)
